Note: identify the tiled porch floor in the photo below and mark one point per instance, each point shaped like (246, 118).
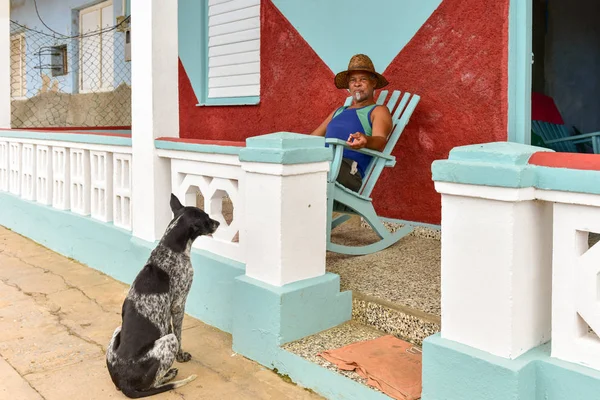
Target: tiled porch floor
(342, 335)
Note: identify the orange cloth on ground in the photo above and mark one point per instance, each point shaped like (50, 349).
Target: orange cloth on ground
(388, 363)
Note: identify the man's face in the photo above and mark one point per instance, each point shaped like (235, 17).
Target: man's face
(361, 85)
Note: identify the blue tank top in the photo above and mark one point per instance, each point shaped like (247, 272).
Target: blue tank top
(346, 121)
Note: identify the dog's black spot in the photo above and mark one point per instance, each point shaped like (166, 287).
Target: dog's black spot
(147, 371)
(137, 335)
(140, 377)
(151, 280)
(192, 222)
(173, 242)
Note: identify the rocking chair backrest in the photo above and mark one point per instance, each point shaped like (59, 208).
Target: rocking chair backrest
(400, 118)
(548, 131)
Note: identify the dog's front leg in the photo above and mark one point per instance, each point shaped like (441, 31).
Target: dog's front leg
(178, 311)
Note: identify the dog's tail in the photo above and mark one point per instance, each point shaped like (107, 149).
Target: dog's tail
(136, 394)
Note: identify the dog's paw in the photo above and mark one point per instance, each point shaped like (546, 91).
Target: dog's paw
(171, 374)
(183, 356)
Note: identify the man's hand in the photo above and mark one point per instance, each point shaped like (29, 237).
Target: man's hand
(357, 140)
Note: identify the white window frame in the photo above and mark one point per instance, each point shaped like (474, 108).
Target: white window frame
(124, 7)
(22, 68)
(83, 11)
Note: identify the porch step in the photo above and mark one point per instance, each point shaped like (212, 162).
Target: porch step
(397, 290)
(339, 336)
(403, 322)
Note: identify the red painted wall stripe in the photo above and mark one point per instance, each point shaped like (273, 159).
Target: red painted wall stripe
(590, 162)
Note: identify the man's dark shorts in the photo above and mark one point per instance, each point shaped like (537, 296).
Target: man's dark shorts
(352, 181)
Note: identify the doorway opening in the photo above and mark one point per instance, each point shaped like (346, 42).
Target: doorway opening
(566, 68)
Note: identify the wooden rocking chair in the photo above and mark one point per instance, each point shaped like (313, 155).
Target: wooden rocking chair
(559, 138)
(348, 202)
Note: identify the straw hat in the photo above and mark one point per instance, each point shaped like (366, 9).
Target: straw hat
(359, 62)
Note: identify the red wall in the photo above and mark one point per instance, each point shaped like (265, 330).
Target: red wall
(457, 62)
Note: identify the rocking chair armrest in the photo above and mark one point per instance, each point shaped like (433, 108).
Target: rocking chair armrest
(369, 152)
(582, 137)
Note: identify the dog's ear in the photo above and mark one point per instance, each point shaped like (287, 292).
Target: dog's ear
(175, 204)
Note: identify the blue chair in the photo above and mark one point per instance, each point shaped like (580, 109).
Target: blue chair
(558, 137)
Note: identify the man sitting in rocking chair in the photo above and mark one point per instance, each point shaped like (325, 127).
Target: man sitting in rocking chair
(362, 124)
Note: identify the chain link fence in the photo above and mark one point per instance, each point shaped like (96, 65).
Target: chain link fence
(70, 81)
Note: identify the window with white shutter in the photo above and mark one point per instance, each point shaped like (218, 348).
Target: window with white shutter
(96, 52)
(233, 65)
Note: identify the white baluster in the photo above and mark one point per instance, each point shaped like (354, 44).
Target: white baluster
(122, 190)
(60, 178)
(213, 204)
(14, 168)
(80, 181)
(28, 171)
(43, 175)
(101, 184)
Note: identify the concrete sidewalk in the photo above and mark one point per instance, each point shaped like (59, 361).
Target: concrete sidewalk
(57, 316)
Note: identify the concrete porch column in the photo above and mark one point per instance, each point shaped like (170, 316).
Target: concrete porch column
(519, 280)
(5, 91)
(496, 250)
(286, 207)
(286, 293)
(154, 111)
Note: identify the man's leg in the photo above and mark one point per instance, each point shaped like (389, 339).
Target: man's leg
(347, 178)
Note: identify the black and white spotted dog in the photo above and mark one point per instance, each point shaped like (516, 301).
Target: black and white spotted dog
(142, 350)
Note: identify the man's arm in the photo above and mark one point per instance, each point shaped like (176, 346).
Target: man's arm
(382, 126)
(322, 129)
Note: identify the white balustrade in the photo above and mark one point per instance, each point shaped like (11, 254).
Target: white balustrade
(216, 177)
(70, 176)
(576, 284)
(279, 201)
